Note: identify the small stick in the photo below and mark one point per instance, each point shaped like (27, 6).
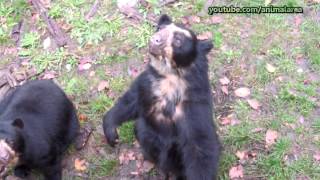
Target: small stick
(93, 10)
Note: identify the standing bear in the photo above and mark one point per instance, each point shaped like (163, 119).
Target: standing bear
(37, 124)
(171, 104)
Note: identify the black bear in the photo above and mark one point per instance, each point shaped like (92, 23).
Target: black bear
(37, 124)
(171, 104)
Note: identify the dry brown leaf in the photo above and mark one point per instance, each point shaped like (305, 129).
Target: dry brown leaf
(225, 90)
(205, 35)
(271, 137)
(267, 2)
(216, 20)
(255, 130)
(297, 20)
(103, 85)
(236, 172)
(194, 19)
(84, 66)
(254, 104)
(225, 121)
(270, 68)
(82, 117)
(242, 92)
(80, 165)
(224, 80)
(126, 156)
(234, 122)
(317, 156)
(49, 75)
(242, 155)
(46, 43)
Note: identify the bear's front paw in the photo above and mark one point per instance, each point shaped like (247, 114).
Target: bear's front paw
(21, 171)
(111, 136)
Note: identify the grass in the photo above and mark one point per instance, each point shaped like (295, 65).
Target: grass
(118, 84)
(103, 167)
(100, 104)
(75, 85)
(296, 102)
(126, 132)
(30, 40)
(139, 36)
(95, 30)
(311, 34)
(273, 163)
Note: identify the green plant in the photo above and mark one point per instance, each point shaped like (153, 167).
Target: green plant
(140, 35)
(126, 132)
(30, 40)
(95, 30)
(100, 104)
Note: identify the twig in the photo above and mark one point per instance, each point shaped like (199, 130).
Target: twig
(59, 36)
(134, 13)
(16, 32)
(164, 3)
(93, 10)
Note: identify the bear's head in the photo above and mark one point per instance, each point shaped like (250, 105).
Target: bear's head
(174, 46)
(10, 143)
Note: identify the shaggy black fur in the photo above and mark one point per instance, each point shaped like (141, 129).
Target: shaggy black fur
(174, 125)
(39, 122)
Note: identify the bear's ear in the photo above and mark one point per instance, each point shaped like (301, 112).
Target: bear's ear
(18, 123)
(164, 20)
(205, 46)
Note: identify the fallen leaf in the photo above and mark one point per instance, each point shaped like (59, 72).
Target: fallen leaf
(224, 89)
(270, 68)
(82, 117)
(255, 130)
(46, 43)
(242, 92)
(126, 156)
(254, 104)
(216, 20)
(224, 81)
(80, 165)
(194, 19)
(92, 73)
(68, 67)
(46, 3)
(301, 119)
(236, 172)
(85, 66)
(49, 75)
(234, 122)
(135, 173)
(103, 85)
(267, 2)
(242, 155)
(271, 137)
(317, 156)
(297, 20)
(225, 121)
(205, 35)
